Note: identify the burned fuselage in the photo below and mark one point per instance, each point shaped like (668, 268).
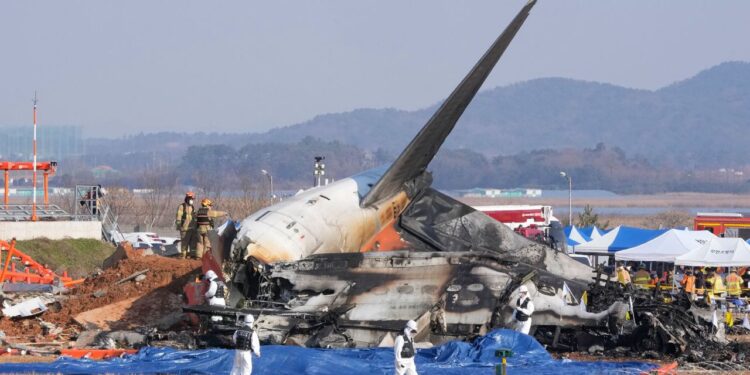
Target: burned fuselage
(357, 258)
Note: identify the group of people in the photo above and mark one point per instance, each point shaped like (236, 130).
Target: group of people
(195, 225)
(698, 282)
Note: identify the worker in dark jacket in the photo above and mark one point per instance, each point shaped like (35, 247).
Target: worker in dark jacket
(204, 221)
(700, 284)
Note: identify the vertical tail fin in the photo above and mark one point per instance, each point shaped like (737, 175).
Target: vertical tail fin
(421, 150)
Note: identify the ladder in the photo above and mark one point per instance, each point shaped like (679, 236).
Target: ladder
(89, 200)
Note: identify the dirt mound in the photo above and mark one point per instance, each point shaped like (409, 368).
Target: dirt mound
(157, 296)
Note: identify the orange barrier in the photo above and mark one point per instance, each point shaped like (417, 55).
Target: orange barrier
(33, 273)
(96, 353)
(666, 369)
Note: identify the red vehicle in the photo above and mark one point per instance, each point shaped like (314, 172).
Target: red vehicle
(723, 224)
(519, 215)
(533, 222)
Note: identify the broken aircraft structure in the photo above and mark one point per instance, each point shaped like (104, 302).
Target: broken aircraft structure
(346, 264)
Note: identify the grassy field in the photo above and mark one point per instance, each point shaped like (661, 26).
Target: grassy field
(77, 256)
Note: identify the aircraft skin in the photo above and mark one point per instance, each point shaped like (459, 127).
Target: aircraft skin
(325, 219)
(385, 247)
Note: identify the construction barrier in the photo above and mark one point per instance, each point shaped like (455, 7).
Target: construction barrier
(32, 273)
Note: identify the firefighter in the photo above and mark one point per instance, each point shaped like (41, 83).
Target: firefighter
(523, 311)
(204, 221)
(688, 284)
(641, 277)
(717, 288)
(623, 276)
(216, 293)
(246, 342)
(182, 223)
(734, 284)
(404, 352)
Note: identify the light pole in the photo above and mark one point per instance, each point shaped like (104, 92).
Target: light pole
(570, 197)
(270, 183)
(319, 171)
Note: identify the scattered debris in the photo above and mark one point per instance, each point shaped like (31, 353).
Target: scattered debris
(99, 293)
(25, 309)
(140, 278)
(133, 276)
(28, 288)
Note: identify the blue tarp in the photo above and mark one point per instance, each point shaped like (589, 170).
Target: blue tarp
(451, 358)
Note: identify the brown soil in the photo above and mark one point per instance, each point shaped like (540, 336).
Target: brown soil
(154, 297)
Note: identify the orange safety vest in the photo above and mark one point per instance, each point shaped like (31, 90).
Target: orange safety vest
(688, 283)
(734, 284)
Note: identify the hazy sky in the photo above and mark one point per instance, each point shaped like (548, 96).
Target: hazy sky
(119, 67)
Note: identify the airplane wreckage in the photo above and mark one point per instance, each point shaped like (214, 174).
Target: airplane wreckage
(346, 264)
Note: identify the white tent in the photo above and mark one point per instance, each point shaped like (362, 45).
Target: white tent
(667, 247)
(732, 252)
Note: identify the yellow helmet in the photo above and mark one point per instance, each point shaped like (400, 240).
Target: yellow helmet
(206, 202)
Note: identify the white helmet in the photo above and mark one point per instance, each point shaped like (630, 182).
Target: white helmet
(411, 325)
(523, 289)
(210, 274)
(249, 320)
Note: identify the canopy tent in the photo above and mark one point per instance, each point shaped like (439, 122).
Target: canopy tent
(617, 239)
(667, 247)
(592, 232)
(732, 252)
(575, 237)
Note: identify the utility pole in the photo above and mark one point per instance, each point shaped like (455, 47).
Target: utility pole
(570, 197)
(319, 171)
(33, 192)
(270, 182)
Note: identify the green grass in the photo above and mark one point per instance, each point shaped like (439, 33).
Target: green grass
(77, 256)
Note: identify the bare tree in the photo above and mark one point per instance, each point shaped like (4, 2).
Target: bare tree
(159, 194)
(669, 219)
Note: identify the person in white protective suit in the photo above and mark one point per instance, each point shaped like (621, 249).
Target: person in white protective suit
(246, 341)
(404, 351)
(523, 311)
(215, 293)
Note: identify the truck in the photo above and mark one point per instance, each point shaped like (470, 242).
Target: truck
(723, 224)
(535, 222)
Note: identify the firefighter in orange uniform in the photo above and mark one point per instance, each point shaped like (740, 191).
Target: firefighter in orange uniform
(688, 284)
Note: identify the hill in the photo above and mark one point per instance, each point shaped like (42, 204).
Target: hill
(684, 124)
